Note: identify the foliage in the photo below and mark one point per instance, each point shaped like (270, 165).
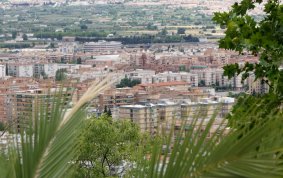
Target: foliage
(15, 45)
(60, 74)
(44, 148)
(79, 60)
(14, 34)
(150, 26)
(182, 68)
(2, 126)
(164, 32)
(201, 83)
(190, 38)
(201, 148)
(40, 139)
(262, 38)
(52, 45)
(25, 37)
(181, 31)
(127, 82)
(243, 114)
(84, 27)
(107, 111)
(51, 35)
(143, 39)
(59, 35)
(105, 144)
(223, 88)
(207, 148)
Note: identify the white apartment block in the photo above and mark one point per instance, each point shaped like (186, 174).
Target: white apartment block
(207, 75)
(20, 70)
(171, 76)
(97, 75)
(102, 46)
(45, 69)
(72, 67)
(145, 76)
(2, 71)
(190, 78)
(145, 116)
(50, 69)
(166, 77)
(150, 116)
(159, 78)
(216, 77)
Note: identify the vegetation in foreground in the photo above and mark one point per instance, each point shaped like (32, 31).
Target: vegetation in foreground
(251, 149)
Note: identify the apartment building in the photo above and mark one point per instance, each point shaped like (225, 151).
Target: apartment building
(47, 69)
(20, 70)
(50, 69)
(226, 105)
(102, 46)
(25, 105)
(173, 85)
(215, 77)
(103, 61)
(145, 76)
(3, 108)
(2, 71)
(207, 107)
(145, 116)
(168, 111)
(171, 76)
(116, 97)
(256, 86)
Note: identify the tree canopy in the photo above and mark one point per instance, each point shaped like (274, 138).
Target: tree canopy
(104, 145)
(262, 38)
(25, 37)
(127, 82)
(60, 75)
(181, 31)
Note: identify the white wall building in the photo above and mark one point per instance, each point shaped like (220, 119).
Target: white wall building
(145, 76)
(171, 76)
(102, 46)
(50, 69)
(2, 71)
(215, 76)
(20, 70)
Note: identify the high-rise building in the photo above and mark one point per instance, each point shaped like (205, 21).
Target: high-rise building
(23, 106)
(145, 116)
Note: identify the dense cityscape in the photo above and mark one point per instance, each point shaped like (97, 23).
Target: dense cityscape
(116, 85)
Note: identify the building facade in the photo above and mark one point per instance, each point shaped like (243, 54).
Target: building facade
(102, 46)
(145, 116)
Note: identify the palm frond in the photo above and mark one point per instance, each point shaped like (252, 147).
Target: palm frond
(212, 149)
(46, 144)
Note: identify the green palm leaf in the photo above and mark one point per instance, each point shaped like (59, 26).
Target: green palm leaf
(46, 144)
(213, 150)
